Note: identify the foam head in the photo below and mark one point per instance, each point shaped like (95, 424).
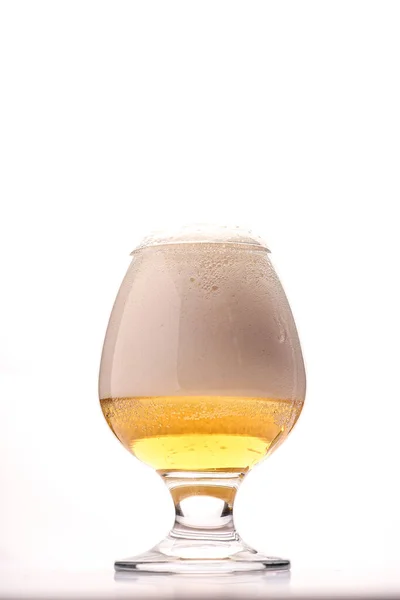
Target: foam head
(201, 311)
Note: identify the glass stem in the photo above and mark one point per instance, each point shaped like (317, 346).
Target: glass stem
(203, 505)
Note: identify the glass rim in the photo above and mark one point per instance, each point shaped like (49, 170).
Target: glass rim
(203, 233)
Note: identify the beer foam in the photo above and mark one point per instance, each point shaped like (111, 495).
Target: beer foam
(205, 316)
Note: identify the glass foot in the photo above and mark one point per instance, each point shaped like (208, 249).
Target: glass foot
(203, 538)
(171, 556)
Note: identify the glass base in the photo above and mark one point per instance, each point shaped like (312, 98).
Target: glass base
(222, 558)
(203, 538)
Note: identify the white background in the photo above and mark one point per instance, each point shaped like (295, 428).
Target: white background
(120, 117)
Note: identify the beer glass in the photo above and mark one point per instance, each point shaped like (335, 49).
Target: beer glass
(201, 378)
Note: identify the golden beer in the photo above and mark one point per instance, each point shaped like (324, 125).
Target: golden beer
(205, 433)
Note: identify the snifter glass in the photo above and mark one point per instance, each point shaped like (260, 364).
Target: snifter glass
(201, 378)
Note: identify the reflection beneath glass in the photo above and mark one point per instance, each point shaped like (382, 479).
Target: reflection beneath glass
(234, 585)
